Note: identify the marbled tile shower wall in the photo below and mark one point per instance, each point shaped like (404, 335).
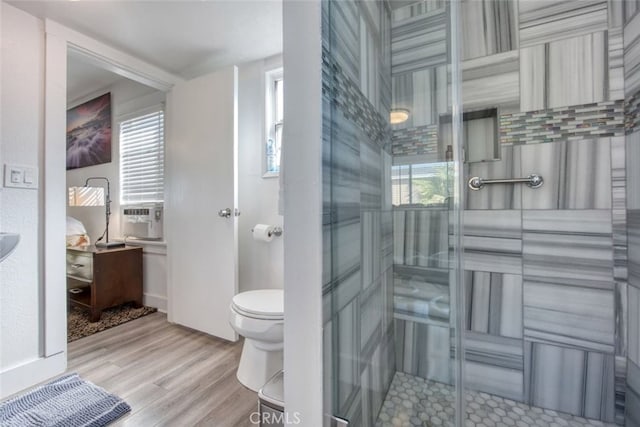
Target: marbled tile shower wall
(359, 360)
(546, 269)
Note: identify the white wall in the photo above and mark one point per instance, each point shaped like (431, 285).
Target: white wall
(261, 265)
(154, 273)
(22, 121)
(127, 96)
(303, 211)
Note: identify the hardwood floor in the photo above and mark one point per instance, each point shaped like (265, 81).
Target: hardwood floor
(168, 374)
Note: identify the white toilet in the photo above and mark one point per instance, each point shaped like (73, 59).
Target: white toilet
(259, 317)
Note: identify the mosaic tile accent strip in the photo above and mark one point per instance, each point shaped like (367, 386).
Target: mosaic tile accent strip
(413, 401)
(597, 120)
(415, 141)
(346, 95)
(632, 114)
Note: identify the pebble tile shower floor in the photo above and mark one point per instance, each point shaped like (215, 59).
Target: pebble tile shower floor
(413, 401)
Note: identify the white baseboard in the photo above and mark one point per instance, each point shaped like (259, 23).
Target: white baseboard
(157, 301)
(31, 373)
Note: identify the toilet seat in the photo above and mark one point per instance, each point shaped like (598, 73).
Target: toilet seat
(265, 304)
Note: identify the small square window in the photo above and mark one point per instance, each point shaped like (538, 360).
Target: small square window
(274, 115)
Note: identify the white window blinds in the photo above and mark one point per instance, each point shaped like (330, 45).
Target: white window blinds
(142, 159)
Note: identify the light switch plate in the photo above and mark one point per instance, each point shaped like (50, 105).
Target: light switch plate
(20, 176)
(16, 176)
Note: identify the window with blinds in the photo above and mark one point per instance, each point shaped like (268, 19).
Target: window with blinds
(142, 159)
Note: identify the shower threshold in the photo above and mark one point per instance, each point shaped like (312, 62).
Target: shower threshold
(414, 401)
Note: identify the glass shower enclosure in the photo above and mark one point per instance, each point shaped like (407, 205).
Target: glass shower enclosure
(475, 213)
(392, 127)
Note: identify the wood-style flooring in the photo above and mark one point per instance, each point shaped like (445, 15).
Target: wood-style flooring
(168, 374)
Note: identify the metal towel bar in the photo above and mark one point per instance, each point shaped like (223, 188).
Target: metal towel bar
(533, 181)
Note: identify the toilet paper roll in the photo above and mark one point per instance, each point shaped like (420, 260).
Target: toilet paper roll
(263, 232)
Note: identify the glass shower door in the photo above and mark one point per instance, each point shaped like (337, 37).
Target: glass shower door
(391, 213)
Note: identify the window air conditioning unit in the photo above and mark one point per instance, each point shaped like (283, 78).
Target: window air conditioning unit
(142, 222)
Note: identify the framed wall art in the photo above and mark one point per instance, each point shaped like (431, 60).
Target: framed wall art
(89, 133)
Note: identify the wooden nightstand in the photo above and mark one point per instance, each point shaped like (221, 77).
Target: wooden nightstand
(102, 278)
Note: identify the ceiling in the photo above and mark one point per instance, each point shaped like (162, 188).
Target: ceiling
(187, 38)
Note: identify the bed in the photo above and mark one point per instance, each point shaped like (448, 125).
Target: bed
(76, 233)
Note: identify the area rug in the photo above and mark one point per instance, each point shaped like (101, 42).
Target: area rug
(78, 325)
(66, 401)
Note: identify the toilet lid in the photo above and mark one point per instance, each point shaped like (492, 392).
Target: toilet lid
(263, 304)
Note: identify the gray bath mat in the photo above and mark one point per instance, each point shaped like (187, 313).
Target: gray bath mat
(68, 401)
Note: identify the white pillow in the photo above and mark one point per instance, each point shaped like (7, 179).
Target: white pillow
(75, 227)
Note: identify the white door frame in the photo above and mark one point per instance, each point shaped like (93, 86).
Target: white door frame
(58, 40)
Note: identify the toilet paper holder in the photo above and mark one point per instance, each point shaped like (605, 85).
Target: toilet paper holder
(276, 231)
